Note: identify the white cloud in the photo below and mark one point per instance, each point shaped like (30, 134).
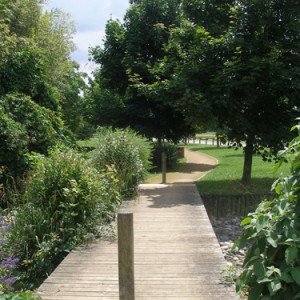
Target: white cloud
(86, 39)
(90, 17)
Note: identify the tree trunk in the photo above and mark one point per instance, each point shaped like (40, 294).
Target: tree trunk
(246, 179)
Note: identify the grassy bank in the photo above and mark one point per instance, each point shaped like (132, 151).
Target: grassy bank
(225, 179)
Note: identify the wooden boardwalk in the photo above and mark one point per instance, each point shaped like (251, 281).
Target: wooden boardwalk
(177, 255)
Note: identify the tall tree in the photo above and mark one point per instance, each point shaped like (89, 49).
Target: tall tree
(130, 51)
(243, 69)
(38, 82)
(256, 89)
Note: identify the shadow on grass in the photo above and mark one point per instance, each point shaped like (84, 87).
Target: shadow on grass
(193, 167)
(259, 186)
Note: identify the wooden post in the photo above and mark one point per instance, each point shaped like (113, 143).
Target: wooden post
(126, 256)
(164, 167)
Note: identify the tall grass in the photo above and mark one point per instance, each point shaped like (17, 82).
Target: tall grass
(127, 153)
(65, 200)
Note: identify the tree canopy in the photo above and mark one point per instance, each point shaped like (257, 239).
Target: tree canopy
(36, 76)
(131, 49)
(235, 63)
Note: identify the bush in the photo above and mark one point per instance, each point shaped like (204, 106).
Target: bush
(27, 127)
(65, 200)
(43, 127)
(171, 151)
(127, 153)
(272, 264)
(13, 144)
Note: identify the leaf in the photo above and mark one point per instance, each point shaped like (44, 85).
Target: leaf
(262, 222)
(291, 254)
(255, 291)
(272, 242)
(259, 269)
(274, 286)
(264, 279)
(296, 274)
(246, 221)
(295, 127)
(278, 188)
(286, 277)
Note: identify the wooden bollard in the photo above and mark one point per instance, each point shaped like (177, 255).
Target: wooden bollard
(164, 167)
(126, 256)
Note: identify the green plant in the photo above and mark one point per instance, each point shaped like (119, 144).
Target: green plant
(27, 127)
(13, 144)
(272, 264)
(26, 295)
(127, 153)
(229, 274)
(171, 151)
(65, 201)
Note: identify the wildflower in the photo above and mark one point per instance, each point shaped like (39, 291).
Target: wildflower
(9, 263)
(2, 242)
(8, 281)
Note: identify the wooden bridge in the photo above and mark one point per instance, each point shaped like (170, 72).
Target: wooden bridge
(177, 255)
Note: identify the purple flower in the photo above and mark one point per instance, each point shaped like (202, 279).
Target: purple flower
(2, 242)
(9, 281)
(9, 263)
(5, 229)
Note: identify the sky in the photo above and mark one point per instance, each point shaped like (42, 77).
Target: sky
(90, 17)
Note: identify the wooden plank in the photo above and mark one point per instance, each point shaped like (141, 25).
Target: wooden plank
(177, 255)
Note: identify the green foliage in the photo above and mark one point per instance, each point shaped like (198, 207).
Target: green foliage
(64, 202)
(272, 263)
(27, 295)
(127, 153)
(13, 144)
(26, 127)
(72, 100)
(235, 65)
(23, 71)
(172, 154)
(43, 127)
(130, 51)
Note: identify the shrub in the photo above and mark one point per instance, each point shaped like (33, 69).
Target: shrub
(272, 264)
(127, 153)
(65, 200)
(43, 127)
(27, 127)
(171, 152)
(13, 144)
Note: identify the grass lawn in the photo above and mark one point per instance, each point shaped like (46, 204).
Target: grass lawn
(226, 177)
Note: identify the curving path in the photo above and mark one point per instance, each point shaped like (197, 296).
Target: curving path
(196, 166)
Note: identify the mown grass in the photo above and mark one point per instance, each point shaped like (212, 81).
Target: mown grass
(225, 179)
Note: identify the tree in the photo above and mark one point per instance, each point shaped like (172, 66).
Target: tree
(243, 71)
(130, 51)
(23, 71)
(72, 89)
(38, 82)
(54, 34)
(256, 89)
